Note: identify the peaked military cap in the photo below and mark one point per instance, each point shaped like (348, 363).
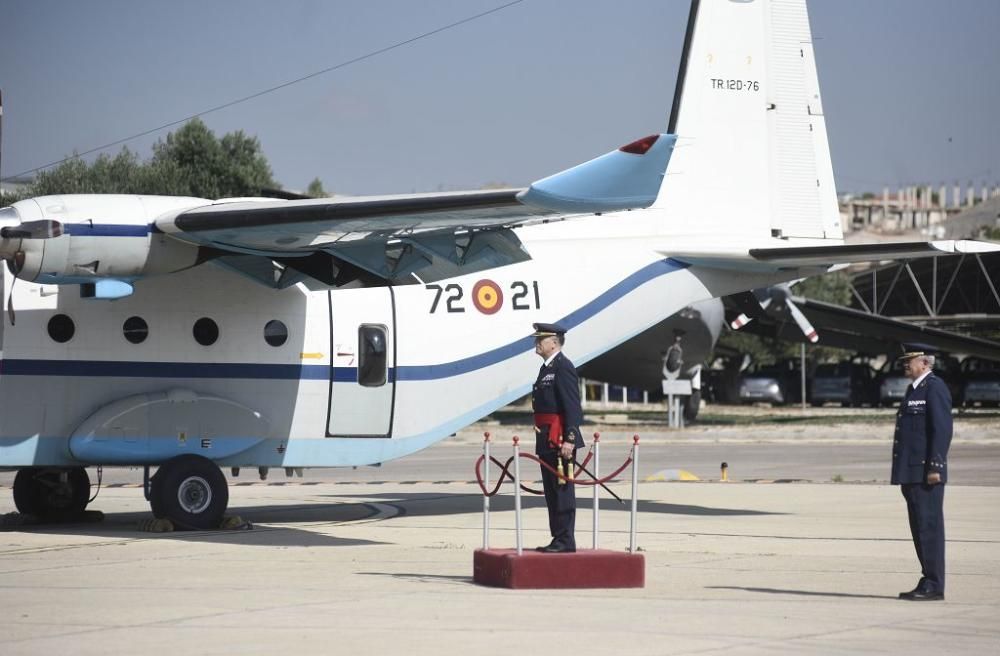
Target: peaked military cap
(912, 351)
(547, 330)
(911, 354)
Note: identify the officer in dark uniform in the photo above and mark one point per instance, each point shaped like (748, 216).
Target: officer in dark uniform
(920, 467)
(555, 400)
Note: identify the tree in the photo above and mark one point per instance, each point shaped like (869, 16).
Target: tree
(190, 162)
(121, 174)
(315, 189)
(831, 288)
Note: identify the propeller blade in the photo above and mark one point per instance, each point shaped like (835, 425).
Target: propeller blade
(802, 322)
(744, 318)
(740, 321)
(41, 229)
(16, 264)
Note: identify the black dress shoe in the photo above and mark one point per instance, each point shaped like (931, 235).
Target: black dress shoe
(545, 548)
(555, 547)
(921, 595)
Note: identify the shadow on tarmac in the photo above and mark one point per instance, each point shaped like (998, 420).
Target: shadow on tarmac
(414, 576)
(359, 508)
(804, 593)
(125, 526)
(424, 504)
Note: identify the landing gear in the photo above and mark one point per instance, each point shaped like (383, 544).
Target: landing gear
(692, 405)
(52, 494)
(190, 491)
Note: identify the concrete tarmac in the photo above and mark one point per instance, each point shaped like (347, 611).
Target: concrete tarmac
(353, 568)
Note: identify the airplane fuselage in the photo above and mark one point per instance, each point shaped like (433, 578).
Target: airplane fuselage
(209, 362)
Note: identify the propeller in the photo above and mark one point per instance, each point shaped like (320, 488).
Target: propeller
(40, 229)
(13, 232)
(775, 299)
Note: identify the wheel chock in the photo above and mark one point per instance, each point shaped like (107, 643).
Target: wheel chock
(235, 523)
(156, 525)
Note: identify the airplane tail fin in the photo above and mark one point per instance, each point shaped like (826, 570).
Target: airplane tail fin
(751, 157)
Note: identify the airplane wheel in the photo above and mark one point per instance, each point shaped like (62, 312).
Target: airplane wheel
(191, 492)
(42, 493)
(25, 491)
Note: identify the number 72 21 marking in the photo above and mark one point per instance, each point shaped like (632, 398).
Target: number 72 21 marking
(523, 296)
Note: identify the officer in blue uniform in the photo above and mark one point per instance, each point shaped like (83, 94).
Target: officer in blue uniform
(920, 468)
(555, 400)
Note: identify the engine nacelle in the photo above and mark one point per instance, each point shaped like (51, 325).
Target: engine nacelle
(103, 237)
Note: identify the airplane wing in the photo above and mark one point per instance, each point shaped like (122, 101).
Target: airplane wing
(385, 237)
(283, 228)
(432, 235)
(848, 328)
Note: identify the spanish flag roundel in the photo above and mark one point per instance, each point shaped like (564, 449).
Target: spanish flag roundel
(487, 297)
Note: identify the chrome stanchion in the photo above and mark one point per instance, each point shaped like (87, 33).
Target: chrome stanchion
(486, 484)
(517, 495)
(597, 476)
(635, 492)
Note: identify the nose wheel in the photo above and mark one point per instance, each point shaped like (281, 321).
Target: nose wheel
(190, 491)
(52, 494)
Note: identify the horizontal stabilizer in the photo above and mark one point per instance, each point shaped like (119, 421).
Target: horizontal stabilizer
(850, 253)
(823, 257)
(626, 178)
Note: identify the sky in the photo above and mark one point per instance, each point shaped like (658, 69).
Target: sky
(911, 88)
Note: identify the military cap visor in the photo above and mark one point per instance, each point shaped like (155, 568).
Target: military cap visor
(911, 354)
(547, 330)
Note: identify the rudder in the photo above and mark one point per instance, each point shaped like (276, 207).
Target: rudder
(752, 157)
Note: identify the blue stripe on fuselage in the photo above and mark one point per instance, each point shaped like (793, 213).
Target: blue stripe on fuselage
(105, 230)
(134, 369)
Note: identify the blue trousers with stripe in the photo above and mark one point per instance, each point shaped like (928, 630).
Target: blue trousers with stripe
(925, 506)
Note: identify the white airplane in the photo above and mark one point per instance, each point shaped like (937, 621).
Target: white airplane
(186, 334)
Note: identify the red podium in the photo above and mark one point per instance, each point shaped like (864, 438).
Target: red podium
(589, 568)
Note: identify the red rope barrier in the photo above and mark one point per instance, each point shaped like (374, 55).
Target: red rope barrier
(505, 473)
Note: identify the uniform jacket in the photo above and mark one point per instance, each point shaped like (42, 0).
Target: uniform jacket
(923, 433)
(557, 391)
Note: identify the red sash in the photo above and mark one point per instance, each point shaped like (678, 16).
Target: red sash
(555, 425)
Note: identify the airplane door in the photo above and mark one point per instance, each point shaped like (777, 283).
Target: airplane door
(363, 355)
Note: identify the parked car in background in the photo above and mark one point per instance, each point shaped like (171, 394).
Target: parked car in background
(847, 383)
(779, 383)
(982, 382)
(892, 382)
